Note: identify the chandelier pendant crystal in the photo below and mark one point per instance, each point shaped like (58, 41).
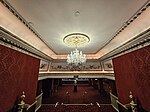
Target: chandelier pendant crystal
(76, 57)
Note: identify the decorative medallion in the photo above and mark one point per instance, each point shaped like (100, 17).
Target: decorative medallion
(76, 40)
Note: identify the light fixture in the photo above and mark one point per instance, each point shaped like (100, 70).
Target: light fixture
(76, 57)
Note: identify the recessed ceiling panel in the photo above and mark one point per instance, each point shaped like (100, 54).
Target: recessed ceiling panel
(98, 19)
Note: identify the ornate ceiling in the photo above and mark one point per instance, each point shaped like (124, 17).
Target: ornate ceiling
(109, 24)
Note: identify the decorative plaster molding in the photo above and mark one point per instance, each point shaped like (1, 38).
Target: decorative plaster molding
(102, 76)
(88, 66)
(107, 65)
(124, 26)
(10, 40)
(138, 42)
(44, 65)
(27, 24)
(77, 72)
(46, 75)
(128, 22)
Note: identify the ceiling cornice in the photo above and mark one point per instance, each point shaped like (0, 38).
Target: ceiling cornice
(140, 41)
(128, 22)
(140, 26)
(14, 26)
(10, 40)
(27, 24)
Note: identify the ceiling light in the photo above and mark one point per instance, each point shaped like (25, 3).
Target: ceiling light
(76, 57)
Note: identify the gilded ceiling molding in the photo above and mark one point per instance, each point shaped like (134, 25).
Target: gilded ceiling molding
(76, 39)
(9, 40)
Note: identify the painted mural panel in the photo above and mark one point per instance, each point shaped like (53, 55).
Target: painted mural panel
(44, 65)
(88, 66)
(108, 65)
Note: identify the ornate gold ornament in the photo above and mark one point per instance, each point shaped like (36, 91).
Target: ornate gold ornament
(76, 40)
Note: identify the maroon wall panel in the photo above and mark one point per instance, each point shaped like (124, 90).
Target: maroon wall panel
(132, 73)
(18, 72)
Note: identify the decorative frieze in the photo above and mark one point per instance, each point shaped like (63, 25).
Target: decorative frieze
(88, 66)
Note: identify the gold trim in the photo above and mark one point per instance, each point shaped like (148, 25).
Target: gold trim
(114, 96)
(76, 40)
(39, 96)
(121, 104)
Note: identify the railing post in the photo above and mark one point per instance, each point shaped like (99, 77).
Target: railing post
(132, 103)
(22, 105)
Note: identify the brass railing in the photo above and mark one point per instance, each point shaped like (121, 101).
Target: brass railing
(39, 101)
(23, 107)
(114, 101)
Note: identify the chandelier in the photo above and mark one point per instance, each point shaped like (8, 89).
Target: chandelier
(76, 57)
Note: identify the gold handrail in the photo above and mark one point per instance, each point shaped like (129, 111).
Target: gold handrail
(114, 96)
(39, 96)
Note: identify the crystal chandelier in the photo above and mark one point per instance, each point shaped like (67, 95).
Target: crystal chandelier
(76, 57)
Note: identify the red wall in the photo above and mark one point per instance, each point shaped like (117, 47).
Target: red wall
(18, 72)
(132, 73)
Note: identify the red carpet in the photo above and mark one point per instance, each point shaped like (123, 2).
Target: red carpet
(84, 100)
(85, 95)
(76, 108)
